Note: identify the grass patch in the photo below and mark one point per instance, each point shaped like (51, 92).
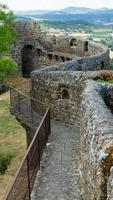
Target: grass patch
(101, 34)
(5, 160)
(103, 81)
(12, 145)
(111, 65)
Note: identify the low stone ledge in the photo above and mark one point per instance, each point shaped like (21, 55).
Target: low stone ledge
(96, 142)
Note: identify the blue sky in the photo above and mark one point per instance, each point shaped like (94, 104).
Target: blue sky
(55, 4)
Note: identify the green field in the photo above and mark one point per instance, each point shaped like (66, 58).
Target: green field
(101, 34)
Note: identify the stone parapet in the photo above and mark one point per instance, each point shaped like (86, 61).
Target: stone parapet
(96, 143)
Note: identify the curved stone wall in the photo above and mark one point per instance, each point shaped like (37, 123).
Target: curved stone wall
(78, 47)
(61, 90)
(86, 55)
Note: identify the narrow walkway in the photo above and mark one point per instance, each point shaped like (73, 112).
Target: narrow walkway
(58, 178)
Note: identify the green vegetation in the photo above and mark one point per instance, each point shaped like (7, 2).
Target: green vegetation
(5, 160)
(7, 37)
(101, 34)
(12, 145)
(71, 25)
(103, 81)
(110, 67)
(7, 32)
(7, 67)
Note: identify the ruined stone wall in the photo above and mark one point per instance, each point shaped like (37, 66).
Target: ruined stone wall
(61, 91)
(44, 61)
(28, 28)
(29, 33)
(78, 49)
(96, 143)
(97, 56)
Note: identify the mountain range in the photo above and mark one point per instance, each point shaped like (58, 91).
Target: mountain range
(70, 13)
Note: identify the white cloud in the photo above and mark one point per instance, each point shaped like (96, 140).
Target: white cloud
(55, 4)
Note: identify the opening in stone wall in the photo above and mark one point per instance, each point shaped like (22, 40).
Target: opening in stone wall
(54, 40)
(39, 51)
(86, 46)
(68, 59)
(27, 60)
(102, 65)
(56, 58)
(62, 58)
(49, 56)
(73, 43)
(65, 93)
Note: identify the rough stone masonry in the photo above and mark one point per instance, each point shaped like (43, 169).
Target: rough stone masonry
(73, 98)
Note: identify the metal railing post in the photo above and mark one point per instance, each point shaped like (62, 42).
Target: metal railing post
(39, 151)
(19, 103)
(32, 111)
(49, 121)
(26, 174)
(10, 98)
(28, 179)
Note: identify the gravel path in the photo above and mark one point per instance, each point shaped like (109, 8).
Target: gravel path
(58, 178)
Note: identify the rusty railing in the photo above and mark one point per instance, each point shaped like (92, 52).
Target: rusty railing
(22, 185)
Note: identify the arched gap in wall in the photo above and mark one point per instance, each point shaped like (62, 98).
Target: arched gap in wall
(68, 59)
(65, 93)
(86, 46)
(73, 43)
(62, 58)
(27, 60)
(102, 65)
(54, 40)
(39, 51)
(56, 58)
(49, 56)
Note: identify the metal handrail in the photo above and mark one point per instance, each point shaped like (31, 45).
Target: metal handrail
(14, 89)
(38, 143)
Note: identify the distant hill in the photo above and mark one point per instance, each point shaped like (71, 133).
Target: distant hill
(76, 10)
(31, 12)
(84, 10)
(96, 16)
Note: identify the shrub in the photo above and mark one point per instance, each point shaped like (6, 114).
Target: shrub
(7, 30)
(111, 65)
(5, 160)
(7, 67)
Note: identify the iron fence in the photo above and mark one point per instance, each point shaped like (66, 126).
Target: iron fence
(22, 186)
(24, 108)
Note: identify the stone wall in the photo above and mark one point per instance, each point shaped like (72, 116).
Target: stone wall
(97, 56)
(96, 143)
(61, 91)
(78, 47)
(29, 34)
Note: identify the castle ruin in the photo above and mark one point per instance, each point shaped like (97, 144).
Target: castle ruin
(63, 74)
